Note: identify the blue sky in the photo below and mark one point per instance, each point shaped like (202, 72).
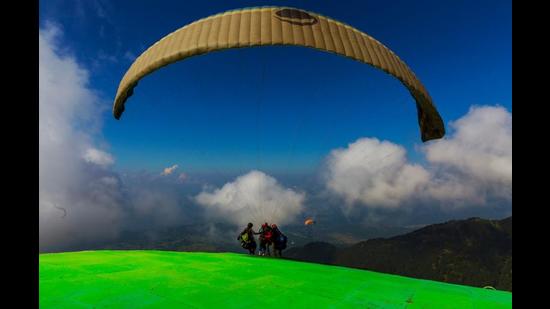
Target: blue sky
(270, 133)
(282, 109)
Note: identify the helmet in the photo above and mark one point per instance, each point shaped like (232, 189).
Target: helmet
(250, 225)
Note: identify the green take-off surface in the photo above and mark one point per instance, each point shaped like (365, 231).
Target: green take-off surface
(164, 279)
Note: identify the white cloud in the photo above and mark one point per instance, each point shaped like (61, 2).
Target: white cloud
(169, 170)
(474, 164)
(253, 197)
(65, 181)
(81, 201)
(375, 173)
(110, 181)
(470, 167)
(98, 157)
(481, 145)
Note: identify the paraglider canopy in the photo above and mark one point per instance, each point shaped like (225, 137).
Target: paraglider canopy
(267, 26)
(309, 221)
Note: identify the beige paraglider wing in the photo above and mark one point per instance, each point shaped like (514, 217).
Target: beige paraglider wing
(279, 26)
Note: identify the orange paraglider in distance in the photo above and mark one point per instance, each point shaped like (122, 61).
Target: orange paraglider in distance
(309, 221)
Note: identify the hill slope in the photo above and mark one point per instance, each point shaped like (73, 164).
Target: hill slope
(164, 279)
(474, 252)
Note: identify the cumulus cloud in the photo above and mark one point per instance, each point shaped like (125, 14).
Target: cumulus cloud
(474, 164)
(255, 197)
(98, 157)
(65, 180)
(375, 173)
(470, 167)
(480, 146)
(169, 170)
(81, 201)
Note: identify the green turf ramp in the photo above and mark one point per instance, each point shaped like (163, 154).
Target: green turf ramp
(164, 279)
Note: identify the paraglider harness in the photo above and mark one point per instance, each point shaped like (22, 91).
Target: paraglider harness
(245, 240)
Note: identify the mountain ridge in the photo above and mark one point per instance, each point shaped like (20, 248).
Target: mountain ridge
(474, 251)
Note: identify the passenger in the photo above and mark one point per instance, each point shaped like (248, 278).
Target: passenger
(279, 241)
(266, 239)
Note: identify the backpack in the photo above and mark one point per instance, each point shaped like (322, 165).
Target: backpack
(244, 237)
